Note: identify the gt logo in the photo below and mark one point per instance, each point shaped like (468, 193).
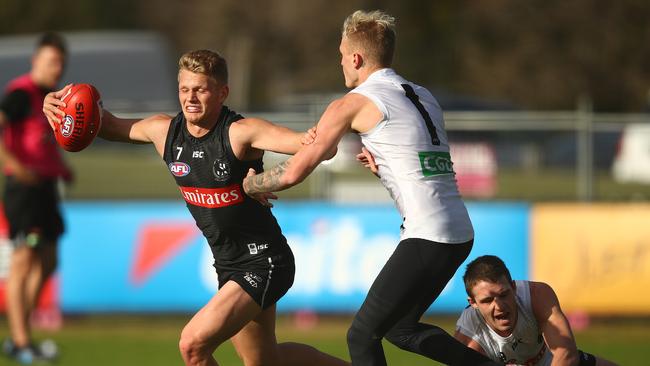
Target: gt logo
(197, 154)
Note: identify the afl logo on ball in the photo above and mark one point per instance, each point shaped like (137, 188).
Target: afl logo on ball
(67, 125)
(179, 169)
(221, 170)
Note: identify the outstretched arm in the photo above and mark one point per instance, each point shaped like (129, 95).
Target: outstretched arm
(148, 130)
(553, 324)
(334, 123)
(135, 131)
(263, 135)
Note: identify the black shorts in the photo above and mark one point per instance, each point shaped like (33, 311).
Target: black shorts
(32, 212)
(265, 283)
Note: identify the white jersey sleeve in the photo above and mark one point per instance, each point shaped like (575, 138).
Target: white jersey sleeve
(472, 325)
(411, 150)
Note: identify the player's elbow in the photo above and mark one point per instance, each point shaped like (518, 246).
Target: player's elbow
(568, 357)
(291, 178)
(331, 153)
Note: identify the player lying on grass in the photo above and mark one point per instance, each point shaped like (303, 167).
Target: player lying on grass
(516, 322)
(209, 149)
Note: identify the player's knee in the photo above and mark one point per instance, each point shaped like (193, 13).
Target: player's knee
(360, 336)
(19, 272)
(193, 348)
(21, 260)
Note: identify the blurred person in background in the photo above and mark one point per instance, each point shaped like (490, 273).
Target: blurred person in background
(401, 124)
(32, 166)
(209, 148)
(516, 322)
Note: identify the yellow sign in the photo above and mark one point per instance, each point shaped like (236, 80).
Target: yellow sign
(595, 256)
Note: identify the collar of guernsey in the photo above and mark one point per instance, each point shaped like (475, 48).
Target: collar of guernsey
(427, 198)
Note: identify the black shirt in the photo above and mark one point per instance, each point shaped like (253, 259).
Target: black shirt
(241, 232)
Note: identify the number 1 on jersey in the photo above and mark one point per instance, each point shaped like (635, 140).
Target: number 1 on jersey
(410, 93)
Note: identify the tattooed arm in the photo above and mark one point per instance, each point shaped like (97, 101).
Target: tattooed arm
(334, 123)
(260, 187)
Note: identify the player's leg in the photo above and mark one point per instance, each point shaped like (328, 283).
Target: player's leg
(43, 266)
(428, 340)
(47, 217)
(21, 208)
(391, 298)
(256, 345)
(256, 342)
(18, 306)
(221, 318)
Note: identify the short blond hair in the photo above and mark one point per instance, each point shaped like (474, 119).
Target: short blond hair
(372, 32)
(205, 62)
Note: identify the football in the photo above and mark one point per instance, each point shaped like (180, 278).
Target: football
(83, 118)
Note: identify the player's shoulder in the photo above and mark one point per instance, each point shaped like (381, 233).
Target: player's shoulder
(469, 320)
(543, 300)
(246, 130)
(540, 290)
(160, 119)
(471, 328)
(349, 104)
(17, 95)
(158, 123)
(248, 125)
(249, 122)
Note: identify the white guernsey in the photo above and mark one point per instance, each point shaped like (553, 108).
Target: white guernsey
(525, 346)
(413, 159)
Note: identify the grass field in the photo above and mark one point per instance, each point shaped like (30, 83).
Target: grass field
(152, 340)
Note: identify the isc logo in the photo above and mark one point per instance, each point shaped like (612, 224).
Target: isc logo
(67, 125)
(179, 169)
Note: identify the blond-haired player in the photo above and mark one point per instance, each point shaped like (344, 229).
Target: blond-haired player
(401, 124)
(209, 148)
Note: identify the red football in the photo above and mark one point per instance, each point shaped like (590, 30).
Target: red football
(83, 118)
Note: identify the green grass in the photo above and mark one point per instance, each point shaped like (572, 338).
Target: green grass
(152, 340)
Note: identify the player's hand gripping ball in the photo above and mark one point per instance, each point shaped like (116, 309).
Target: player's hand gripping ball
(83, 118)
